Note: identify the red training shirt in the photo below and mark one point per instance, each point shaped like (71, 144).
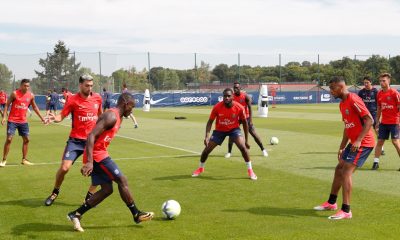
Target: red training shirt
(20, 106)
(242, 100)
(353, 109)
(388, 101)
(227, 118)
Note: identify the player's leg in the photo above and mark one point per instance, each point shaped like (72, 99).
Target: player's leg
(254, 134)
(23, 130)
(230, 145)
(11, 127)
(72, 151)
(395, 134)
(239, 140)
(383, 134)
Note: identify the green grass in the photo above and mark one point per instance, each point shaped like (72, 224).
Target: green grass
(223, 203)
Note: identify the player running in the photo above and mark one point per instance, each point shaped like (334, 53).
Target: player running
(102, 169)
(387, 117)
(20, 100)
(85, 107)
(242, 98)
(360, 141)
(228, 114)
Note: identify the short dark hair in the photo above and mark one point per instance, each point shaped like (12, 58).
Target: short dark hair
(337, 79)
(385, 75)
(227, 90)
(104, 89)
(367, 78)
(25, 80)
(125, 98)
(85, 77)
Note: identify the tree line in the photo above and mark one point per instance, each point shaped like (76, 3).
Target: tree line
(60, 69)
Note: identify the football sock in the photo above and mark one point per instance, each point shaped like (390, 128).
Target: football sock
(132, 207)
(202, 164)
(56, 191)
(345, 208)
(248, 164)
(82, 209)
(88, 195)
(332, 199)
(376, 160)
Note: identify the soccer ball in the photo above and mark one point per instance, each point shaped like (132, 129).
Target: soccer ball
(171, 209)
(274, 141)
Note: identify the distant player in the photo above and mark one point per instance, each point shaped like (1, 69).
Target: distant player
(228, 113)
(360, 141)
(242, 98)
(102, 169)
(85, 107)
(369, 96)
(131, 116)
(106, 97)
(53, 101)
(3, 100)
(20, 100)
(387, 117)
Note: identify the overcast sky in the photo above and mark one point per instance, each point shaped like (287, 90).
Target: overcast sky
(291, 27)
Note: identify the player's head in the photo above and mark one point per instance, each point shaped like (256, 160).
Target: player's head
(236, 88)
(104, 89)
(337, 87)
(24, 85)
(85, 84)
(228, 96)
(125, 104)
(367, 82)
(384, 80)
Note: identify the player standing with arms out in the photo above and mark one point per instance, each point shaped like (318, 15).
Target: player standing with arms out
(387, 117)
(102, 169)
(20, 99)
(53, 101)
(228, 114)
(3, 100)
(85, 107)
(106, 97)
(360, 141)
(242, 98)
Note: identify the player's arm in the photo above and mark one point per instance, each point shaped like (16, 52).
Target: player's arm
(368, 122)
(9, 101)
(242, 117)
(248, 102)
(100, 110)
(134, 120)
(106, 121)
(343, 144)
(378, 117)
(36, 109)
(208, 130)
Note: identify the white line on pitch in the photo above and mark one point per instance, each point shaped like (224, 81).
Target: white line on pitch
(115, 159)
(144, 141)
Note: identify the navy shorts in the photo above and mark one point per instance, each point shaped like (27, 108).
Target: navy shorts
(53, 106)
(218, 137)
(374, 118)
(106, 105)
(358, 157)
(2, 106)
(388, 129)
(105, 172)
(74, 149)
(23, 129)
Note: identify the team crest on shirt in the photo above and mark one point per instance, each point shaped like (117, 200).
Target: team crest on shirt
(347, 112)
(388, 98)
(233, 115)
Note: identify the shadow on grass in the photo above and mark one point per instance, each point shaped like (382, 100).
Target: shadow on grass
(202, 177)
(36, 230)
(279, 212)
(32, 203)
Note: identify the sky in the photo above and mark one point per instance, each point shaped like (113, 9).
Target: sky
(217, 30)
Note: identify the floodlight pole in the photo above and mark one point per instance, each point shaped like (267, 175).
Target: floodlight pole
(239, 66)
(148, 65)
(100, 71)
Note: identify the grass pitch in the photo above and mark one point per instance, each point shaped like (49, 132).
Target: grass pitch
(222, 203)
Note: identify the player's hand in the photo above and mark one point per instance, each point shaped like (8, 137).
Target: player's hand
(206, 141)
(340, 152)
(3, 121)
(247, 145)
(356, 145)
(87, 169)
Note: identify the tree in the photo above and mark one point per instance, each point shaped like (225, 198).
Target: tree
(5, 78)
(60, 70)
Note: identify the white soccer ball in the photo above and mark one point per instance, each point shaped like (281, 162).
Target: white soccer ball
(171, 209)
(274, 141)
